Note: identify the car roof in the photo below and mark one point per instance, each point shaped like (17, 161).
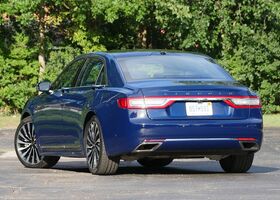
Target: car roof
(134, 53)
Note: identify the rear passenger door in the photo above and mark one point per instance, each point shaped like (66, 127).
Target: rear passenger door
(79, 99)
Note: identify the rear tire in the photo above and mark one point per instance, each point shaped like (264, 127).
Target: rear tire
(237, 163)
(97, 159)
(154, 162)
(26, 147)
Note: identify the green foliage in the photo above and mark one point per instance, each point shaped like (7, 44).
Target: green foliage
(244, 36)
(19, 74)
(57, 59)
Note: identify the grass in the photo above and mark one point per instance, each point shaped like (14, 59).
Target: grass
(11, 122)
(272, 120)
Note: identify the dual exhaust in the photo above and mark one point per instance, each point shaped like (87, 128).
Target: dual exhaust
(246, 144)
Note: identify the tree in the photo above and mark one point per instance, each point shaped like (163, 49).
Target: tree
(19, 70)
(38, 18)
(244, 36)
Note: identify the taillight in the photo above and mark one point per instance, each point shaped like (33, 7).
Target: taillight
(244, 102)
(144, 103)
(160, 102)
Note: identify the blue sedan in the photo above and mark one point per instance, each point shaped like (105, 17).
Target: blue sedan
(152, 107)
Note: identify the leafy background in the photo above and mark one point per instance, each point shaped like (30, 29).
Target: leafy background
(38, 37)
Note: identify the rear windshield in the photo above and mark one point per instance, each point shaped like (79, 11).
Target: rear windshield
(171, 67)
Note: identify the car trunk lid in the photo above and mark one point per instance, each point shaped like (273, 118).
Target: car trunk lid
(194, 99)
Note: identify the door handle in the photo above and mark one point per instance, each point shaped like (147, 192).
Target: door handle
(65, 90)
(94, 87)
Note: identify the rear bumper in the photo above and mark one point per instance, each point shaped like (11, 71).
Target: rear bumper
(187, 137)
(195, 147)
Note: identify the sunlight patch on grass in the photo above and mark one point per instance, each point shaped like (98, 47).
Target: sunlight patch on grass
(9, 122)
(272, 120)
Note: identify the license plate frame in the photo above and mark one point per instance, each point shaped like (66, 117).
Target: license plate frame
(199, 109)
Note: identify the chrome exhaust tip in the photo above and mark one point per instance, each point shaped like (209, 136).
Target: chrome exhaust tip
(148, 146)
(249, 146)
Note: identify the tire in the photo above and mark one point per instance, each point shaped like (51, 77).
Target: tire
(154, 162)
(237, 163)
(27, 149)
(97, 159)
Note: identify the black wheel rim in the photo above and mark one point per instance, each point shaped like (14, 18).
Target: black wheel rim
(26, 144)
(93, 145)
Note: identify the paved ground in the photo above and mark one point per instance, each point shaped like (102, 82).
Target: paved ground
(183, 179)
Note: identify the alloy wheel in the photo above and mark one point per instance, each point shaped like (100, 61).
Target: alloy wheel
(26, 144)
(93, 145)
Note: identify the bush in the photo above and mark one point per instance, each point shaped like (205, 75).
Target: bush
(58, 58)
(19, 75)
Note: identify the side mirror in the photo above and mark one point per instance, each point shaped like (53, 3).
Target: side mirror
(44, 86)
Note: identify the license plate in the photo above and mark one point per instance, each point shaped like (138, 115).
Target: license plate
(199, 109)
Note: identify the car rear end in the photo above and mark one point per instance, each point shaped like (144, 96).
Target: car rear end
(187, 117)
(225, 122)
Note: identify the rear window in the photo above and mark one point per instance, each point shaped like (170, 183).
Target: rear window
(171, 67)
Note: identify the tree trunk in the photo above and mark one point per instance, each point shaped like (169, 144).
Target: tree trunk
(42, 30)
(142, 37)
(41, 57)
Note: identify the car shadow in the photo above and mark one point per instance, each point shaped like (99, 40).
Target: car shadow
(177, 167)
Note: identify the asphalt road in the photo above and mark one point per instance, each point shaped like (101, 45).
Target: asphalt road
(183, 179)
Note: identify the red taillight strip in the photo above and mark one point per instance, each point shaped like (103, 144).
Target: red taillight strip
(124, 102)
(230, 103)
(246, 139)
